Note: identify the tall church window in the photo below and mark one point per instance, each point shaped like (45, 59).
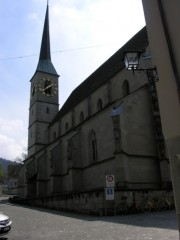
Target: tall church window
(73, 117)
(92, 147)
(81, 117)
(89, 105)
(125, 88)
(109, 92)
(99, 104)
(54, 135)
(69, 150)
(47, 110)
(66, 127)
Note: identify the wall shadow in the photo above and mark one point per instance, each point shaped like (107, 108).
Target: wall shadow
(163, 219)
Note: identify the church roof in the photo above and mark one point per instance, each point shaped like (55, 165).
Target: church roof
(105, 72)
(45, 64)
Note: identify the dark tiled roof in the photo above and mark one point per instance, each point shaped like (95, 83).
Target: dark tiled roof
(45, 64)
(113, 65)
(45, 52)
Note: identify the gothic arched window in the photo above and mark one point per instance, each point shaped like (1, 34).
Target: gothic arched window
(66, 127)
(47, 110)
(54, 135)
(92, 147)
(81, 117)
(125, 88)
(99, 104)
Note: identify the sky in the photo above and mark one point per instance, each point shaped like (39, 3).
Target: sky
(83, 35)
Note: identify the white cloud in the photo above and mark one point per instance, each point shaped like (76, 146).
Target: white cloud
(11, 126)
(9, 148)
(81, 24)
(12, 139)
(73, 24)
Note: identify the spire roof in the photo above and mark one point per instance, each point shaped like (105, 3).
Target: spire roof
(45, 64)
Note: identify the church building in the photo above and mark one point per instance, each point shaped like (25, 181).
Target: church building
(108, 127)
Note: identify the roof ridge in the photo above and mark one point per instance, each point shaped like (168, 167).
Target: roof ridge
(102, 74)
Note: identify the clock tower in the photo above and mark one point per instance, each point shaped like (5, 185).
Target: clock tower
(43, 95)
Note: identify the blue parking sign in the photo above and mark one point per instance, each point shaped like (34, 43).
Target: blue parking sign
(109, 192)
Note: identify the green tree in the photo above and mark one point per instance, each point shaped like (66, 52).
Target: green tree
(2, 175)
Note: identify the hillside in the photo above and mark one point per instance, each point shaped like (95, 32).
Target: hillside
(4, 163)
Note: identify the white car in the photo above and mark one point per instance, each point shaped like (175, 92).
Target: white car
(5, 224)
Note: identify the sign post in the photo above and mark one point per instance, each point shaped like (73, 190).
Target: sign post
(109, 189)
(110, 181)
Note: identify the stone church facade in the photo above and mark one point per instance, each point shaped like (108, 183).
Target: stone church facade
(106, 127)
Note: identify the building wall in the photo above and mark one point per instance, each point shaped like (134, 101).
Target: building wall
(95, 203)
(22, 187)
(161, 58)
(138, 134)
(109, 132)
(12, 186)
(163, 20)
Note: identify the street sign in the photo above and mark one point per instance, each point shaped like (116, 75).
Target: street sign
(109, 192)
(110, 181)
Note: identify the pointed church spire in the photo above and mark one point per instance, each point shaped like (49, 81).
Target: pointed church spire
(45, 64)
(45, 44)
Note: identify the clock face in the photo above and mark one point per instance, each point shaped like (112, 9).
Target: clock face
(48, 87)
(33, 90)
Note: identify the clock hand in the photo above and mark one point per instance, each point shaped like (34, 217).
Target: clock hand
(48, 87)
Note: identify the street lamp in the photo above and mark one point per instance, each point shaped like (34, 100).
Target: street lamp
(131, 61)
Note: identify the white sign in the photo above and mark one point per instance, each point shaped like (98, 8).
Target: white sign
(110, 181)
(109, 193)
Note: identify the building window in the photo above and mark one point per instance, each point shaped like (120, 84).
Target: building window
(125, 88)
(89, 106)
(69, 150)
(81, 117)
(73, 118)
(109, 92)
(47, 110)
(99, 104)
(66, 127)
(92, 142)
(54, 135)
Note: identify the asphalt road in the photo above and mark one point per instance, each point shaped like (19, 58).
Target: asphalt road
(37, 224)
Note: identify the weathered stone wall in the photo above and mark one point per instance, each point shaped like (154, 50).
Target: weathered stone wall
(95, 203)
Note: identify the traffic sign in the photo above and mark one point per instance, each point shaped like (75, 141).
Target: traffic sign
(110, 181)
(109, 193)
